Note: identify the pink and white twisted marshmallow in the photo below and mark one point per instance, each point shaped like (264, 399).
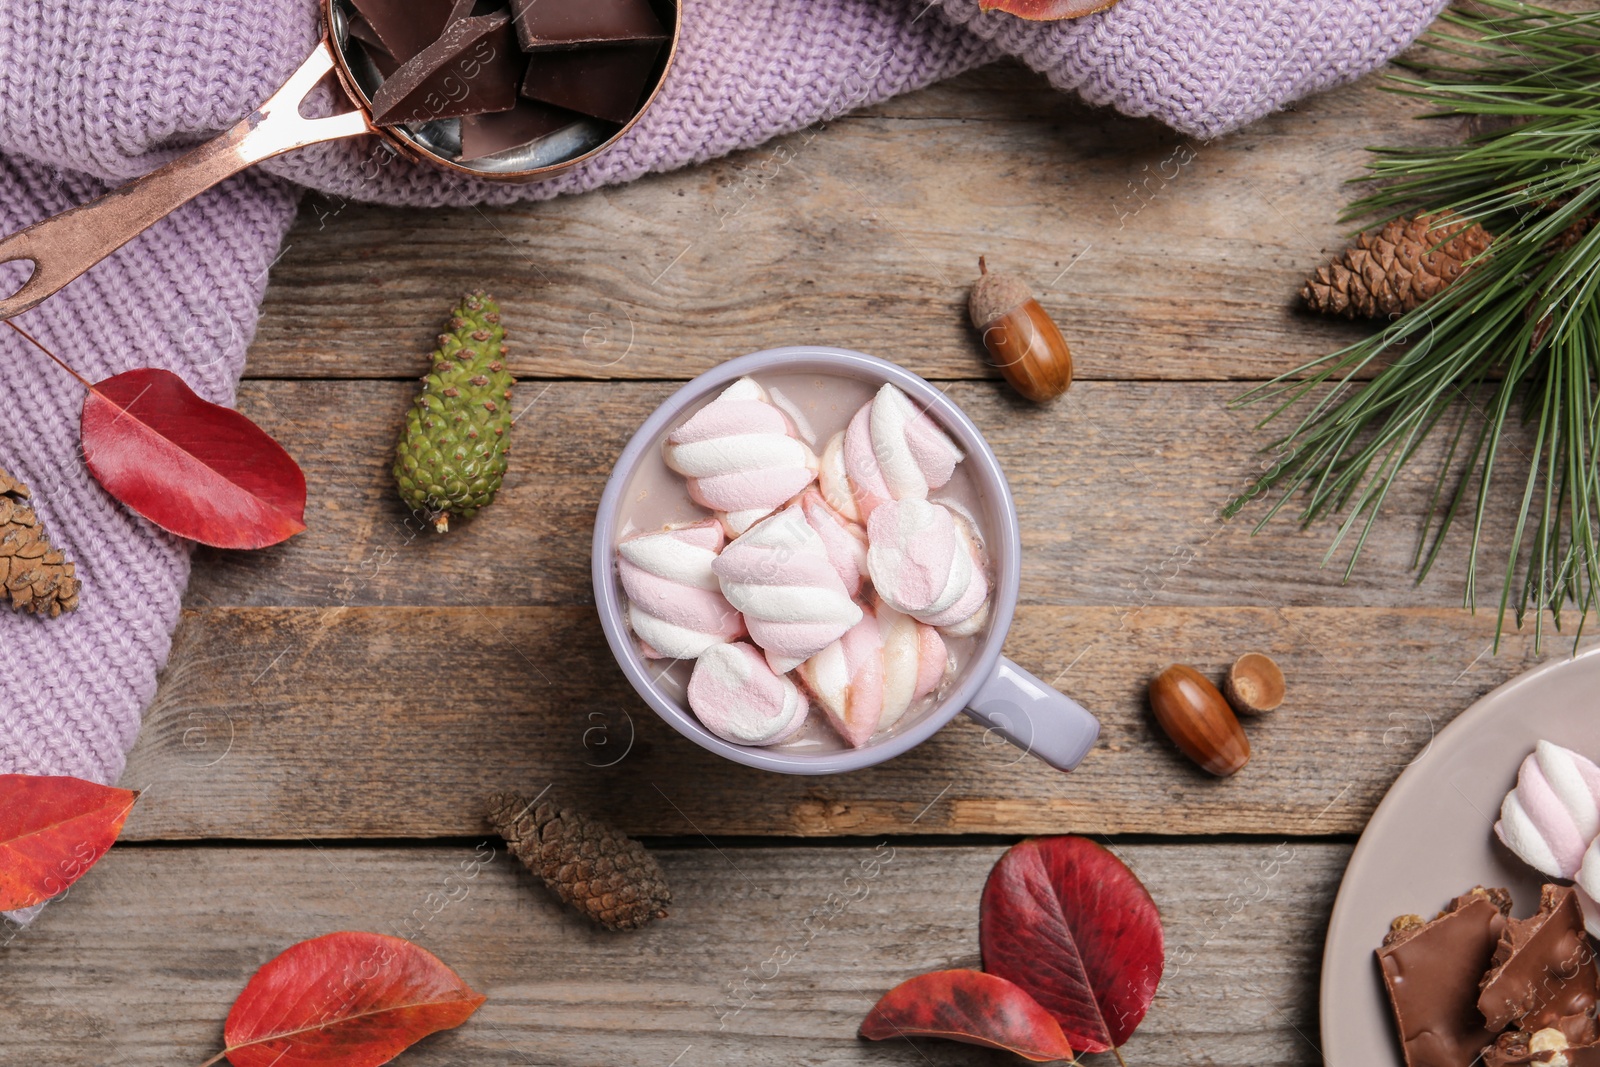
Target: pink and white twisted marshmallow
(890, 451)
(675, 605)
(738, 697)
(778, 573)
(866, 680)
(1553, 814)
(740, 456)
(925, 562)
(845, 541)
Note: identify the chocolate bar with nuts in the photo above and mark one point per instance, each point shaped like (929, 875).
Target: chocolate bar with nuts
(1432, 971)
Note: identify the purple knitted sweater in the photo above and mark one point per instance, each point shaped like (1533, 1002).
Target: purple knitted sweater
(98, 92)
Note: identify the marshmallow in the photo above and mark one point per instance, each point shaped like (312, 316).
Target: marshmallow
(675, 605)
(1553, 814)
(834, 480)
(739, 698)
(845, 541)
(892, 451)
(740, 456)
(924, 562)
(870, 677)
(1588, 882)
(778, 573)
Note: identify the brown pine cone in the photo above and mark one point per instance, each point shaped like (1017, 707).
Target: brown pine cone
(1386, 274)
(36, 574)
(590, 865)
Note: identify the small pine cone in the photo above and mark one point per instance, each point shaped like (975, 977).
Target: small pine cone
(1388, 273)
(590, 865)
(34, 573)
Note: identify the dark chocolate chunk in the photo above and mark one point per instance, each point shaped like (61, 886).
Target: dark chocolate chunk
(607, 82)
(380, 59)
(361, 30)
(406, 27)
(474, 68)
(564, 23)
(1543, 972)
(484, 135)
(1431, 970)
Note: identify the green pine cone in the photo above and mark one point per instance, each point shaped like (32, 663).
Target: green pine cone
(452, 452)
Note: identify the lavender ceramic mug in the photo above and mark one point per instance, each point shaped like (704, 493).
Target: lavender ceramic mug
(1007, 699)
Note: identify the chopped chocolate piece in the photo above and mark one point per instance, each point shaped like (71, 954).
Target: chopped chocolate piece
(1431, 971)
(1543, 973)
(380, 59)
(484, 135)
(564, 23)
(1546, 1048)
(406, 27)
(606, 82)
(361, 30)
(474, 68)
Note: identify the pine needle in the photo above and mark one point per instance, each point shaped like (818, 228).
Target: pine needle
(1519, 331)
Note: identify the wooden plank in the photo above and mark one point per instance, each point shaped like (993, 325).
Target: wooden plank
(1118, 488)
(140, 964)
(397, 722)
(1161, 257)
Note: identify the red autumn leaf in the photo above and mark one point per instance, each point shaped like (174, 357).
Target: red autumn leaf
(346, 999)
(52, 830)
(1046, 10)
(194, 468)
(1070, 924)
(969, 1006)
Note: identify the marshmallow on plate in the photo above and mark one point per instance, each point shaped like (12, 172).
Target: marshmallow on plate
(778, 573)
(675, 605)
(740, 456)
(866, 680)
(924, 562)
(845, 541)
(1553, 814)
(890, 451)
(739, 698)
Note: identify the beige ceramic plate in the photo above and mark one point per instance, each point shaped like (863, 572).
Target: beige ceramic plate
(1432, 839)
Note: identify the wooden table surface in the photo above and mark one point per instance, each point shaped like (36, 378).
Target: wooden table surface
(336, 709)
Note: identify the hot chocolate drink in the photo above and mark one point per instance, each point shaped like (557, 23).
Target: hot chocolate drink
(819, 537)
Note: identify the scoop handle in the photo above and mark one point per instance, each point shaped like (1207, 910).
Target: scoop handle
(1042, 722)
(64, 246)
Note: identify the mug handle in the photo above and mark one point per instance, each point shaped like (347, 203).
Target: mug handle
(1034, 717)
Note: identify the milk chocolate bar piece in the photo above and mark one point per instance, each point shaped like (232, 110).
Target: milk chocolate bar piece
(606, 82)
(405, 27)
(474, 68)
(1546, 1048)
(484, 135)
(1543, 973)
(565, 23)
(1432, 970)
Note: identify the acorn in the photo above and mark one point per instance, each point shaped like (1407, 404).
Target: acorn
(1019, 335)
(1197, 718)
(1254, 685)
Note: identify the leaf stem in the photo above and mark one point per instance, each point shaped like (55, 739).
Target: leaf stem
(1117, 1052)
(87, 384)
(218, 1058)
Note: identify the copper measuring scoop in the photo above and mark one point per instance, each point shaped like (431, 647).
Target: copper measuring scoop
(64, 246)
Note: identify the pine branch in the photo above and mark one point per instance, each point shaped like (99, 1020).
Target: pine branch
(1520, 330)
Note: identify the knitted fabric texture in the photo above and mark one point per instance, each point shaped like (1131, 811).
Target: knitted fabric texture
(105, 91)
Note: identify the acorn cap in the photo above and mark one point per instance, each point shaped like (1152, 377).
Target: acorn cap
(995, 295)
(1255, 684)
